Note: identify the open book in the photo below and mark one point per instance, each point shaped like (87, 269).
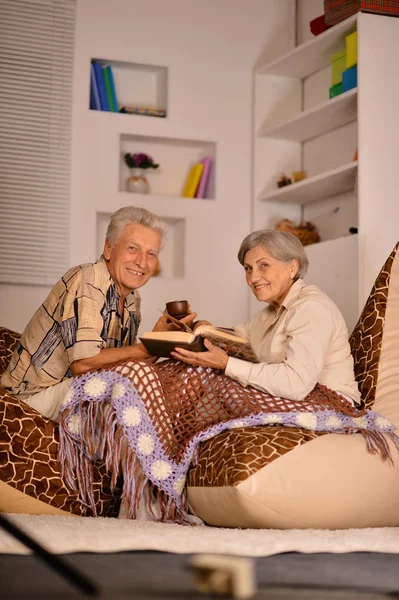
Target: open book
(161, 343)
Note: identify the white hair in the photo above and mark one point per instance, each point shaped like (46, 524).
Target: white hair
(281, 245)
(133, 214)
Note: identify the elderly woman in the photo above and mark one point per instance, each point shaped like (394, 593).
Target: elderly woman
(300, 336)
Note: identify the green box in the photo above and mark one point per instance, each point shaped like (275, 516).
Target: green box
(336, 90)
(338, 65)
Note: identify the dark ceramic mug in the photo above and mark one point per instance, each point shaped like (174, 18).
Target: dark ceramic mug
(178, 308)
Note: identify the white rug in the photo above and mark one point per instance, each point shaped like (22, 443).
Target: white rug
(61, 534)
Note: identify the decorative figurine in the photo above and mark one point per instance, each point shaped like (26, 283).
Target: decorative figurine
(284, 180)
(298, 176)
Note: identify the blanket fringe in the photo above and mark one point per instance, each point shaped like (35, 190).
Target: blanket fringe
(104, 440)
(376, 443)
(159, 505)
(100, 439)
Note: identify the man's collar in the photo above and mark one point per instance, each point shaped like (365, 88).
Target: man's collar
(130, 299)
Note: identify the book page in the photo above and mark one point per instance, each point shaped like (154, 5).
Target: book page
(234, 344)
(222, 332)
(172, 336)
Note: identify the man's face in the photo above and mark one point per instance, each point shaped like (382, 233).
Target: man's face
(134, 258)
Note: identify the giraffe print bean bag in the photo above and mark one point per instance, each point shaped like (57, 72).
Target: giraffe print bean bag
(254, 477)
(276, 477)
(30, 473)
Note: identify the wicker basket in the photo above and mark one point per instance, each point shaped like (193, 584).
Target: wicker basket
(305, 232)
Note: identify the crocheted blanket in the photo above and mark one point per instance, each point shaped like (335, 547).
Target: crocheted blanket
(146, 422)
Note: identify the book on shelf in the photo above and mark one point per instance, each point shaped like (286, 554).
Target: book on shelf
(192, 181)
(161, 343)
(101, 86)
(203, 184)
(108, 90)
(113, 90)
(143, 110)
(95, 103)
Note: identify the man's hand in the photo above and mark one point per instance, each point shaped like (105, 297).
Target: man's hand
(165, 324)
(215, 357)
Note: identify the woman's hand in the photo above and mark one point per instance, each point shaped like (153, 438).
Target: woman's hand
(215, 357)
(165, 324)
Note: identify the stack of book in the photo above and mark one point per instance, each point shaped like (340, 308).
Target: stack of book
(143, 110)
(102, 88)
(198, 178)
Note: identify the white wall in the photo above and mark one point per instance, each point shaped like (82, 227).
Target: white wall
(210, 50)
(18, 303)
(306, 11)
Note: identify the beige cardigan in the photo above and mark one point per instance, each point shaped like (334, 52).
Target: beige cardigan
(302, 343)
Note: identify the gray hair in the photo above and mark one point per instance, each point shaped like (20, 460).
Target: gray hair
(280, 245)
(133, 214)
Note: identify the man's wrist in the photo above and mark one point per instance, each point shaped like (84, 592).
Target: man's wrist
(139, 351)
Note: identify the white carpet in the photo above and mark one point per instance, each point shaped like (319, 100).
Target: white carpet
(61, 534)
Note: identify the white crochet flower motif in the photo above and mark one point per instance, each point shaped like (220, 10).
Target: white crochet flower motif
(272, 419)
(131, 416)
(74, 424)
(95, 387)
(117, 391)
(237, 424)
(382, 422)
(360, 421)
(333, 421)
(68, 397)
(145, 444)
(179, 484)
(306, 420)
(161, 470)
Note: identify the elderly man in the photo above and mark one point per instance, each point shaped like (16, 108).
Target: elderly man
(91, 317)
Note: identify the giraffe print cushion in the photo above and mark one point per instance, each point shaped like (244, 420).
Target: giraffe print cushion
(277, 477)
(237, 454)
(29, 455)
(374, 339)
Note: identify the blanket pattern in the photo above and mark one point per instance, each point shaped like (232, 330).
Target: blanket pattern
(147, 421)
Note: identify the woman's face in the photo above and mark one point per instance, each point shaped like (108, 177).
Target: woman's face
(268, 278)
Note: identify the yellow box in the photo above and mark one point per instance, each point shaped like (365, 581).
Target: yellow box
(338, 65)
(351, 50)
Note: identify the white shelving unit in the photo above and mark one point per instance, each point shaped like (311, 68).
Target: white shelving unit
(295, 128)
(335, 254)
(316, 121)
(302, 61)
(330, 183)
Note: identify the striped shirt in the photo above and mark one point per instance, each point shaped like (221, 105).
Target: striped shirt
(79, 317)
